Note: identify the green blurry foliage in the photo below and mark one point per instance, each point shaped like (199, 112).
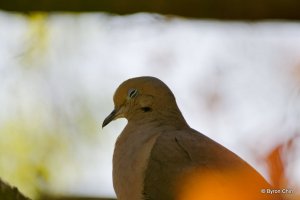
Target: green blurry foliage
(27, 151)
(33, 140)
(36, 40)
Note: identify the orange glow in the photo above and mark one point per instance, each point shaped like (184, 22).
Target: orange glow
(231, 185)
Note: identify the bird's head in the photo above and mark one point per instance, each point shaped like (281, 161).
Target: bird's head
(140, 96)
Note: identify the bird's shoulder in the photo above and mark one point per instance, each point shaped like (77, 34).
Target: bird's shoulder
(187, 157)
(189, 146)
(177, 153)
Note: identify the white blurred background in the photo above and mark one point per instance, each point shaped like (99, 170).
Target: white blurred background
(236, 82)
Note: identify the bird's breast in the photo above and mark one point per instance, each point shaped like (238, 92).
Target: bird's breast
(131, 154)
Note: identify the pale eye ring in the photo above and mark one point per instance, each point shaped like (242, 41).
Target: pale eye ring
(132, 93)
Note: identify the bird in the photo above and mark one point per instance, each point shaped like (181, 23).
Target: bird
(158, 156)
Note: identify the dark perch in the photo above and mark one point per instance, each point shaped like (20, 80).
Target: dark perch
(8, 192)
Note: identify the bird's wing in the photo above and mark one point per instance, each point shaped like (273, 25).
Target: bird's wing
(184, 162)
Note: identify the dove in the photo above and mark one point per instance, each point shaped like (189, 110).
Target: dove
(158, 156)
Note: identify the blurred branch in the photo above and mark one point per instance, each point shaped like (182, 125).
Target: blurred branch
(218, 9)
(10, 193)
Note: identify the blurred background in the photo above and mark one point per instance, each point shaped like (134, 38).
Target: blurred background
(237, 82)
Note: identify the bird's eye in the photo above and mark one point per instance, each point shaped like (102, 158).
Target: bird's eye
(132, 93)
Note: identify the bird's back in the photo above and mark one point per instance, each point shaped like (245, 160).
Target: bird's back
(186, 165)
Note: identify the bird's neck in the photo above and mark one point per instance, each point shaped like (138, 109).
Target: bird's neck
(171, 118)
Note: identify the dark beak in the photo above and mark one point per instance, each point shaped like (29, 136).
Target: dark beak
(109, 118)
